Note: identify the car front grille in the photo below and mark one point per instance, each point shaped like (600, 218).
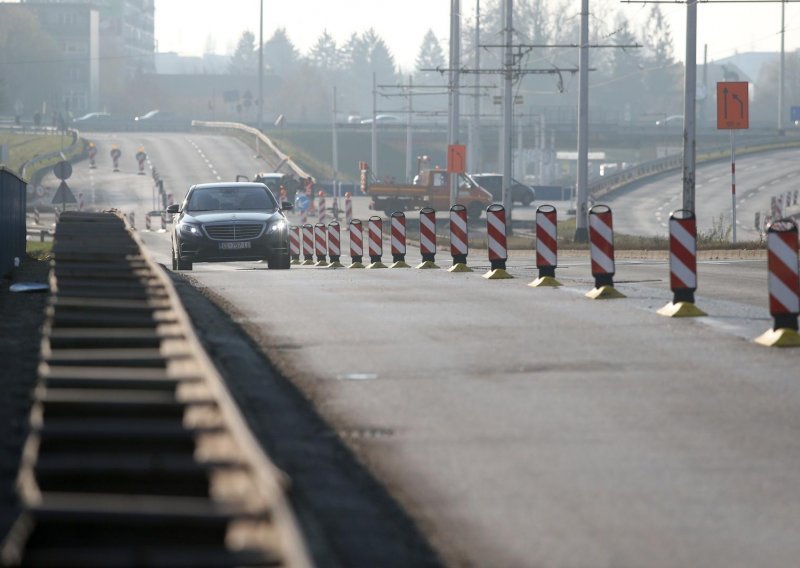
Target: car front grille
(234, 231)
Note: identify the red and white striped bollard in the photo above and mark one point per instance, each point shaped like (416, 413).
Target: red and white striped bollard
(334, 248)
(375, 230)
(427, 238)
(496, 237)
(601, 243)
(398, 236)
(784, 285)
(356, 244)
(546, 246)
(308, 244)
(320, 244)
(459, 238)
(294, 244)
(682, 265)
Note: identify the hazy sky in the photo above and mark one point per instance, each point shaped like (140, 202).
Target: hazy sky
(189, 27)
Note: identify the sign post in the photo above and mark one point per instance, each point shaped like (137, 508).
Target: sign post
(733, 113)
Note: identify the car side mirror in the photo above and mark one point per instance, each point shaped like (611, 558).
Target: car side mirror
(174, 208)
(287, 206)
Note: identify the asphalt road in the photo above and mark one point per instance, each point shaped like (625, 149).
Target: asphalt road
(645, 210)
(520, 426)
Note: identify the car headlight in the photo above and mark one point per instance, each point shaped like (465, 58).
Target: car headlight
(277, 226)
(189, 229)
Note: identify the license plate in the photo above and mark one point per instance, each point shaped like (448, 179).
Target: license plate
(235, 245)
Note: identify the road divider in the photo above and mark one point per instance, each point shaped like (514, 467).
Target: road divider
(334, 249)
(294, 244)
(427, 238)
(546, 246)
(682, 265)
(398, 240)
(497, 244)
(459, 238)
(356, 244)
(783, 284)
(320, 244)
(308, 244)
(601, 242)
(375, 230)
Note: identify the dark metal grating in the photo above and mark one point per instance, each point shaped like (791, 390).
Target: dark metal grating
(137, 456)
(234, 231)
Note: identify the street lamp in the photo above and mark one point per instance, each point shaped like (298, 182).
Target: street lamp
(261, 65)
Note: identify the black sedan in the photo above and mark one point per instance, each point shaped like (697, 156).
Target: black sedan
(493, 183)
(222, 222)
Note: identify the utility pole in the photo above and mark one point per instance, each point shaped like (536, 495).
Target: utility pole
(261, 66)
(335, 143)
(455, 64)
(781, 112)
(582, 205)
(689, 93)
(474, 147)
(374, 158)
(409, 134)
(508, 108)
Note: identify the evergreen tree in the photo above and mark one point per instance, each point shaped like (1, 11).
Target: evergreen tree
(324, 55)
(280, 54)
(245, 59)
(430, 56)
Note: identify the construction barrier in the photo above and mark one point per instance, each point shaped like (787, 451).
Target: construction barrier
(323, 213)
(546, 246)
(375, 230)
(427, 238)
(398, 236)
(601, 242)
(496, 237)
(37, 220)
(334, 250)
(320, 245)
(115, 156)
(132, 219)
(141, 156)
(459, 238)
(81, 203)
(356, 244)
(348, 209)
(682, 265)
(92, 155)
(147, 223)
(294, 244)
(308, 244)
(783, 284)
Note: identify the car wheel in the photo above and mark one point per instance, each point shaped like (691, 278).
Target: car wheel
(527, 200)
(279, 261)
(184, 264)
(474, 210)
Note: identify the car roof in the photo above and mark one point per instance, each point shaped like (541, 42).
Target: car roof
(223, 184)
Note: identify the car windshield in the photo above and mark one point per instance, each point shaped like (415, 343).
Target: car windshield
(231, 199)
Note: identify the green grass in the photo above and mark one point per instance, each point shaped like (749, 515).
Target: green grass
(38, 250)
(23, 147)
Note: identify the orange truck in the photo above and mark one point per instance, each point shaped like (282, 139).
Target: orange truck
(431, 188)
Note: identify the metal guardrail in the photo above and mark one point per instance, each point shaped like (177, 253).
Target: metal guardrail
(137, 454)
(76, 139)
(282, 159)
(602, 186)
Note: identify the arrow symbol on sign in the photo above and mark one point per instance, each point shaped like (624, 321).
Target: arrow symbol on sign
(725, 102)
(741, 105)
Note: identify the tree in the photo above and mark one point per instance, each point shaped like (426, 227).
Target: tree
(245, 59)
(324, 55)
(429, 56)
(379, 58)
(280, 54)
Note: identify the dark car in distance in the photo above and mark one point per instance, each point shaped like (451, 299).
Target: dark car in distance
(493, 183)
(223, 222)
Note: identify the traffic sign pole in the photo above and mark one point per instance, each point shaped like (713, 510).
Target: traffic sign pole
(733, 183)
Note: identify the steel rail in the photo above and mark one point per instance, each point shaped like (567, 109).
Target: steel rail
(137, 454)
